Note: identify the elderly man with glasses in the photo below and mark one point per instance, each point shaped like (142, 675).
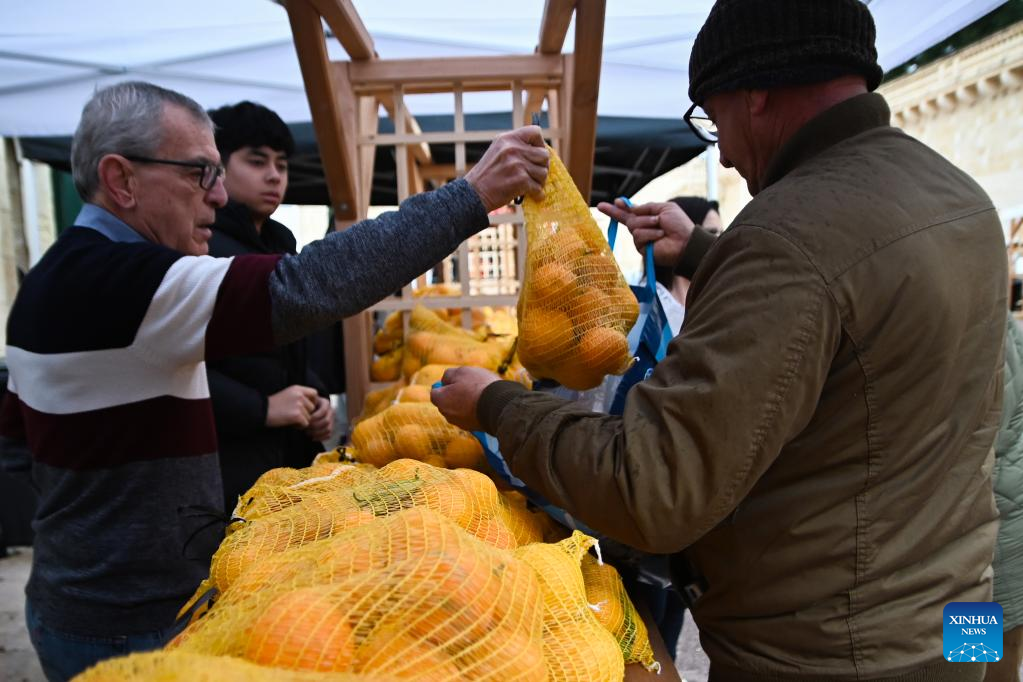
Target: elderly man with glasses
(819, 436)
(107, 342)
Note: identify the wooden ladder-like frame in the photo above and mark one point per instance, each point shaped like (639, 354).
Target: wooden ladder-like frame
(345, 97)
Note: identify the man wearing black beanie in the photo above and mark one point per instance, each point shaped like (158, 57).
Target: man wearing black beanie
(818, 437)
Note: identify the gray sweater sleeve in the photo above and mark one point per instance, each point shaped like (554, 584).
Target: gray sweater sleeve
(349, 271)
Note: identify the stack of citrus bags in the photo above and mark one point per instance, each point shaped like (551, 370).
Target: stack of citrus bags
(409, 572)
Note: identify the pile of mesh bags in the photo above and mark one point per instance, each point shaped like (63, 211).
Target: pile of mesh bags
(435, 336)
(410, 572)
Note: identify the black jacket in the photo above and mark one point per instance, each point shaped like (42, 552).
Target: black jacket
(240, 386)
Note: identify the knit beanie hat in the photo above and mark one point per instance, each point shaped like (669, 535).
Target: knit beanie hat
(763, 44)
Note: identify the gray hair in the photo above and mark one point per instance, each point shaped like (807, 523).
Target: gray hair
(125, 119)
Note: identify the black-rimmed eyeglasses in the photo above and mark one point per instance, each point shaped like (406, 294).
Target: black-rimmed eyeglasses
(701, 124)
(210, 171)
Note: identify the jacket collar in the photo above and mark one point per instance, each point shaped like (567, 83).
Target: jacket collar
(107, 224)
(842, 121)
(235, 220)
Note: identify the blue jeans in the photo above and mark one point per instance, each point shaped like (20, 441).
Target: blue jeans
(63, 654)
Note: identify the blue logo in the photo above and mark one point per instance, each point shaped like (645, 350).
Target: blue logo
(972, 632)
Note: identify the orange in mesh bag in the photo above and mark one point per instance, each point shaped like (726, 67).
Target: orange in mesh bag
(426, 348)
(410, 596)
(468, 498)
(415, 430)
(179, 666)
(575, 308)
(266, 496)
(614, 609)
(575, 645)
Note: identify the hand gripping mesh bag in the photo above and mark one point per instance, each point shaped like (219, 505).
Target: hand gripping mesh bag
(415, 430)
(575, 309)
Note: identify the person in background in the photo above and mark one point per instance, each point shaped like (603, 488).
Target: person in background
(271, 409)
(107, 343)
(1008, 477)
(705, 214)
(819, 436)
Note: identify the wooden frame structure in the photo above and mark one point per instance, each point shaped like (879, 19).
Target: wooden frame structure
(345, 97)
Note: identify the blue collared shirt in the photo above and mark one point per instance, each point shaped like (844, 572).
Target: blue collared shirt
(107, 224)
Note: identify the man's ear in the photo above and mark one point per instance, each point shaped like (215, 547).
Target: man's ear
(756, 101)
(117, 179)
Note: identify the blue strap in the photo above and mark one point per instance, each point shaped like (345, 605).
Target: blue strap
(612, 235)
(612, 229)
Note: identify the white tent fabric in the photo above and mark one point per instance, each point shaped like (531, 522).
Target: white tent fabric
(55, 53)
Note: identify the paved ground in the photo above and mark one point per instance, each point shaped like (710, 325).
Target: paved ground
(690, 660)
(18, 661)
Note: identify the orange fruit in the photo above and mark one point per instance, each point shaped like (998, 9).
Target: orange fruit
(626, 307)
(392, 651)
(545, 337)
(463, 452)
(480, 494)
(599, 270)
(377, 452)
(604, 349)
(550, 285)
(589, 309)
(564, 246)
(386, 367)
(415, 393)
(413, 440)
(410, 364)
(430, 374)
(302, 630)
(403, 469)
(577, 376)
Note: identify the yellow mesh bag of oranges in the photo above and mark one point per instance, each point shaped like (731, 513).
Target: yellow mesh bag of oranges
(433, 348)
(575, 644)
(612, 606)
(410, 596)
(180, 666)
(575, 309)
(415, 430)
(467, 497)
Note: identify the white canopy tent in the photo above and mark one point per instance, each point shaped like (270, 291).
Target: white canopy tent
(55, 53)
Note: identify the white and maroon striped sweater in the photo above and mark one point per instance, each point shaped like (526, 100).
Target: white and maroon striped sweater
(107, 343)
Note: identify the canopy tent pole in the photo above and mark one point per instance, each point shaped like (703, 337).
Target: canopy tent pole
(712, 157)
(29, 210)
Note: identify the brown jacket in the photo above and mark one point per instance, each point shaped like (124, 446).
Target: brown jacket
(820, 432)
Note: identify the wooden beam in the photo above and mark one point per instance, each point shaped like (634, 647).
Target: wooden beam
(589, 39)
(421, 152)
(534, 102)
(321, 90)
(369, 121)
(358, 334)
(347, 27)
(390, 304)
(437, 75)
(441, 171)
(557, 15)
(445, 137)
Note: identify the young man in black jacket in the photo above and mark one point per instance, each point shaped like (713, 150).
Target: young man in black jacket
(271, 409)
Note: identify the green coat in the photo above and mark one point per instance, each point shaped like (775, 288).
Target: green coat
(820, 433)
(1009, 485)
